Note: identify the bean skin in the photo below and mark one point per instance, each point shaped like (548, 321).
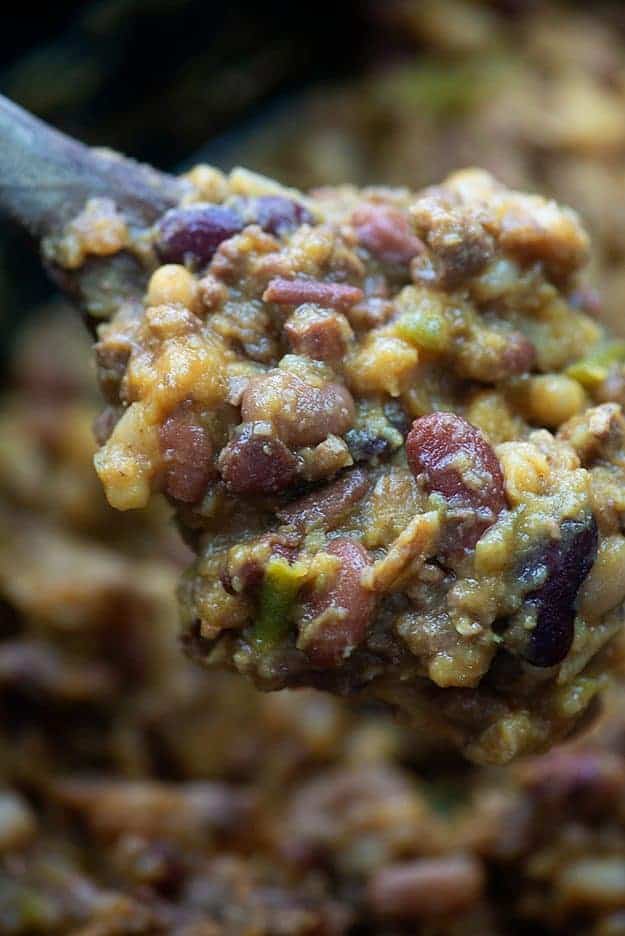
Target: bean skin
(451, 457)
(300, 413)
(187, 450)
(329, 642)
(327, 506)
(256, 462)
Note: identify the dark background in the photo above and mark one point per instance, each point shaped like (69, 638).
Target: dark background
(161, 80)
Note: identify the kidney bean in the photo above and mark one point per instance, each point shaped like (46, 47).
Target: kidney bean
(426, 887)
(187, 450)
(256, 462)
(193, 234)
(587, 780)
(275, 213)
(327, 506)
(336, 619)
(568, 561)
(451, 457)
(298, 291)
(300, 413)
(387, 233)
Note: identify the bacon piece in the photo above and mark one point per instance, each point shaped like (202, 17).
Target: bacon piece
(297, 291)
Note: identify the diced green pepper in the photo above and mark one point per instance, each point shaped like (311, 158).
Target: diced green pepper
(593, 369)
(277, 598)
(424, 327)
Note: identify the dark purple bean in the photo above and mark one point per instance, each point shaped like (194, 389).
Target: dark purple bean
(275, 213)
(566, 562)
(193, 234)
(256, 462)
(365, 446)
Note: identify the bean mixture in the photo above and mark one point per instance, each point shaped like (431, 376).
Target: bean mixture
(386, 423)
(139, 796)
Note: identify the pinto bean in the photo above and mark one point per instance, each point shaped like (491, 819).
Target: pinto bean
(336, 619)
(300, 413)
(451, 457)
(297, 291)
(327, 506)
(426, 887)
(256, 462)
(387, 233)
(187, 450)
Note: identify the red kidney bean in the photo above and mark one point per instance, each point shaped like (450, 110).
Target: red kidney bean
(256, 462)
(193, 234)
(327, 506)
(427, 887)
(295, 292)
(567, 560)
(300, 413)
(387, 233)
(451, 457)
(587, 780)
(329, 642)
(187, 450)
(274, 213)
